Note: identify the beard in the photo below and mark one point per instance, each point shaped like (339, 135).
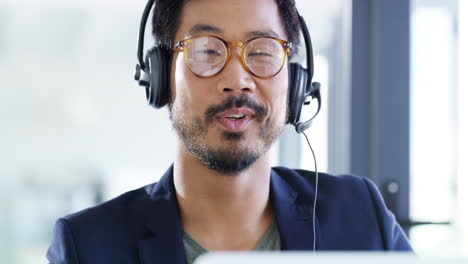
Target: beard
(232, 157)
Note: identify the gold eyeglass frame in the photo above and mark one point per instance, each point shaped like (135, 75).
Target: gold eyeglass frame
(181, 46)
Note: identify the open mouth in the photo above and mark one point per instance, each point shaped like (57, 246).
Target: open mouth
(235, 120)
(236, 117)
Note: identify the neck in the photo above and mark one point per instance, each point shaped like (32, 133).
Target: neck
(220, 206)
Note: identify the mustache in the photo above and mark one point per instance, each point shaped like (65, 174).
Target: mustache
(233, 101)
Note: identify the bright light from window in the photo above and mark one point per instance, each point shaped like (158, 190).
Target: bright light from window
(463, 117)
(432, 115)
(439, 126)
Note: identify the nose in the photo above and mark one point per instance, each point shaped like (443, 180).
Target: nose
(235, 79)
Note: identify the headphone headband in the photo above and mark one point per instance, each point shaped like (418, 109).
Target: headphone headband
(308, 46)
(141, 34)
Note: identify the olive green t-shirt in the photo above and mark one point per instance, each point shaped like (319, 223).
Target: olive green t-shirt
(270, 241)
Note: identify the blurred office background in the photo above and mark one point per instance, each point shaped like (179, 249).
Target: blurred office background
(75, 128)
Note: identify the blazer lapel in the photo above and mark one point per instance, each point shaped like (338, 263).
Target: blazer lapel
(161, 218)
(293, 215)
(160, 215)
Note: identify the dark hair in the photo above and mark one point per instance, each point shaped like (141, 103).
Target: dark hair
(166, 21)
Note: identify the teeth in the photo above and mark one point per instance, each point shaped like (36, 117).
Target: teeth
(236, 116)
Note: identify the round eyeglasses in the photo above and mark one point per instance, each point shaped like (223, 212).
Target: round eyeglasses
(206, 56)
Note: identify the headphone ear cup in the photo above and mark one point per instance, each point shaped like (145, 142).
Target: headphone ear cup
(297, 89)
(158, 60)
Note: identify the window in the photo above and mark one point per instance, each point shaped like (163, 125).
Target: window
(438, 125)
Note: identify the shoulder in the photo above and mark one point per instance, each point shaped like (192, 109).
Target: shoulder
(304, 181)
(349, 207)
(106, 231)
(350, 194)
(116, 207)
(118, 218)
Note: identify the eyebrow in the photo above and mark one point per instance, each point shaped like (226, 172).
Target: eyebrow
(261, 33)
(206, 28)
(203, 28)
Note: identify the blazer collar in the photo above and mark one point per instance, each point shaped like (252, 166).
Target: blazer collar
(294, 213)
(161, 217)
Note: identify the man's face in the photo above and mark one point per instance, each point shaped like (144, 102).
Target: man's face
(201, 108)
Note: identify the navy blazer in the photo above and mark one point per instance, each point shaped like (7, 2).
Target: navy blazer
(143, 226)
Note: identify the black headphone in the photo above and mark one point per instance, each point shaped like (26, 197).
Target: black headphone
(153, 74)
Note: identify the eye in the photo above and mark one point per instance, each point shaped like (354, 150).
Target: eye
(259, 54)
(209, 52)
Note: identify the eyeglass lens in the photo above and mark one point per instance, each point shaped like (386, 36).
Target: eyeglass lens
(206, 56)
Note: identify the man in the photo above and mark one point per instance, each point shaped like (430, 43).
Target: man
(228, 103)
